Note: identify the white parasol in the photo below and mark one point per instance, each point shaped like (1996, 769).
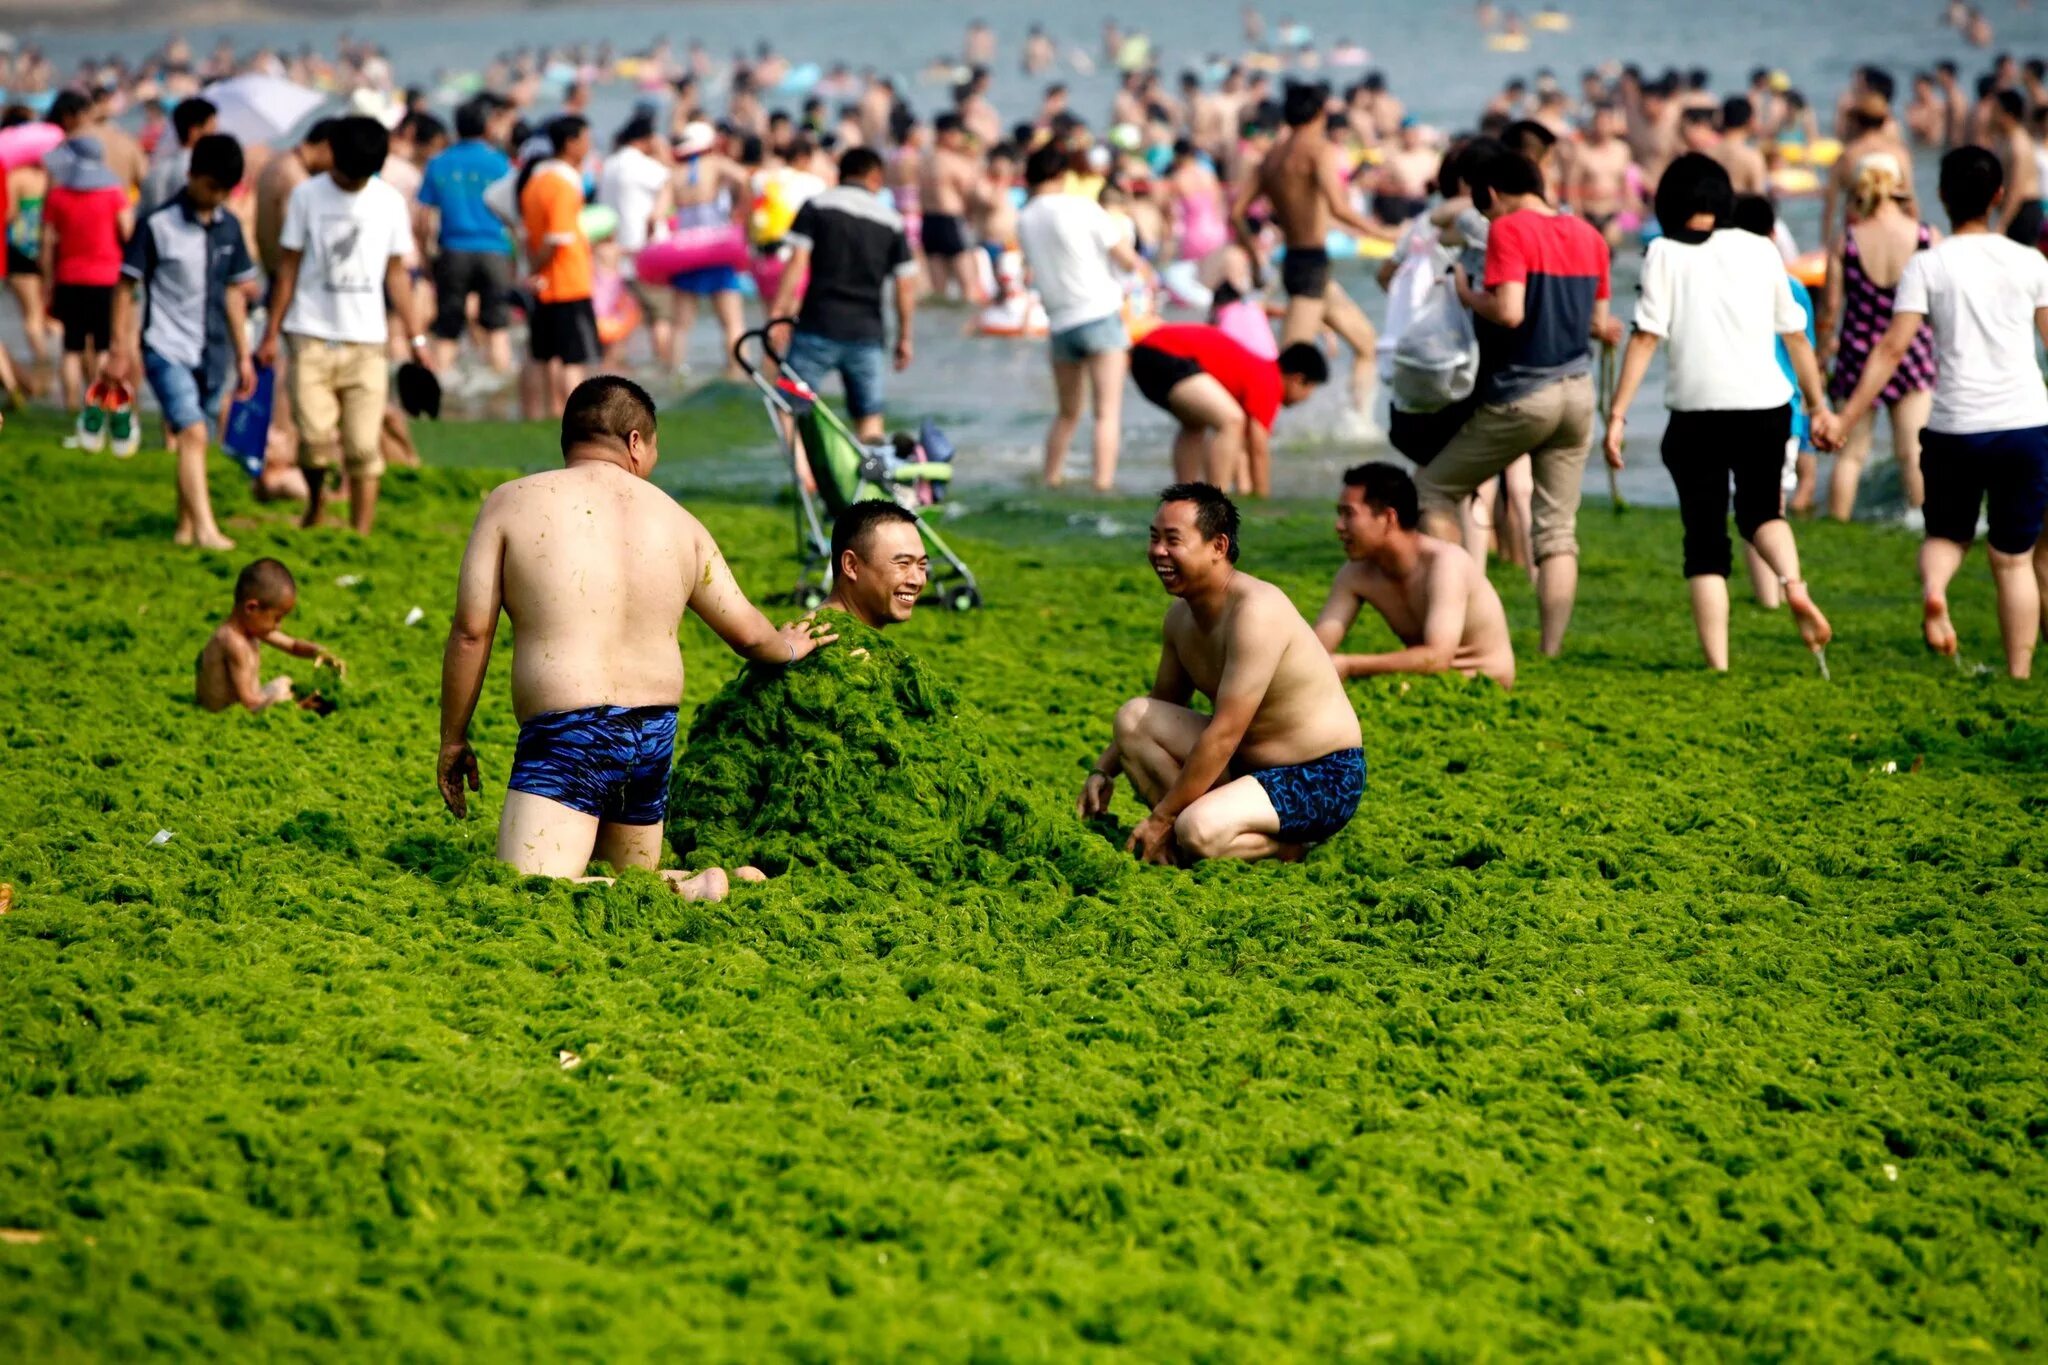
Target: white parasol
(262, 109)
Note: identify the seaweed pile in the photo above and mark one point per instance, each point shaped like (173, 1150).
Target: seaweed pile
(860, 755)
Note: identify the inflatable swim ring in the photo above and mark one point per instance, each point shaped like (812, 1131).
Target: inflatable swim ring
(1810, 269)
(1794, 182)
(1507, 42)
(767, 271)
(1551, 21)
(1342, 246)
(1019, 315)
(1244, 322)
(694, 248)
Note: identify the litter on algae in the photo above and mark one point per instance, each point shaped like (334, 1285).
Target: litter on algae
(859, 755)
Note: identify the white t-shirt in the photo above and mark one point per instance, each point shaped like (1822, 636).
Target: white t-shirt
(346, 241)
(1066, 240)
(1979, 292)
(629, 185)
(1721, 304)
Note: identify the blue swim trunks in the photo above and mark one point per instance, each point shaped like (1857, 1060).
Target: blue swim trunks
(609, 762)
(1317, 798)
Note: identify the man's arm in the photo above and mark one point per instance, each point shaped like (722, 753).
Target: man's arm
(1258, 452)
(1340, 609)
(404, 302)
(1806, 365)
(906, 309)
(1443, 627)
(1243, 195)
(479, 593)
(716, 598)
(1334, 193)
(1170, 683)
(797, 267)
(124, 340)
(1253, 657)
(1884, 360)
(287, 284)
(1503, 304)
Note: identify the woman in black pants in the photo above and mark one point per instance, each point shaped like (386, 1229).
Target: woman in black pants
(1721, 297)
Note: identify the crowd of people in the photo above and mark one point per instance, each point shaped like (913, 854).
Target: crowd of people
(389, 234)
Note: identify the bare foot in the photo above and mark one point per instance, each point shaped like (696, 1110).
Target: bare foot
(183, 536)
(1935, 625)
(214, 540)
(1813, 627)
(750, 874)
(708, 885)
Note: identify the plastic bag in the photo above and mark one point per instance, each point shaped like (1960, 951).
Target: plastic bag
(1434, 360)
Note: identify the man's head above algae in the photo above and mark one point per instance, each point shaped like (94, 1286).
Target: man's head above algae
(879, 565)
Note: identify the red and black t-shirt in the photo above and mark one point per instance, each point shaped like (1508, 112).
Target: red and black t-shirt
(1561, 263)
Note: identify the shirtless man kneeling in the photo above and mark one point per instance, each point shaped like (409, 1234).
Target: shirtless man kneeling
(1280, 764)
(594, 566)
(879, 565)
(1432, 594)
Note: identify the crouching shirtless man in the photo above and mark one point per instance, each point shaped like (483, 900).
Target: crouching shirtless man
(1431, 593)
(1280, 763)
(595, 566)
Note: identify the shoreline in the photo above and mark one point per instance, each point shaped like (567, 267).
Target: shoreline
(39, 17)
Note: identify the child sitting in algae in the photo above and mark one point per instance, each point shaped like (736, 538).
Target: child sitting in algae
(265, 593)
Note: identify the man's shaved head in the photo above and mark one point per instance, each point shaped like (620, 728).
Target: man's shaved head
(606, 410)
(855, 527)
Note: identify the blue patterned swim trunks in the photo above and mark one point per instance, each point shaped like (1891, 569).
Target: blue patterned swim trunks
(609, 762)
(1317, 798)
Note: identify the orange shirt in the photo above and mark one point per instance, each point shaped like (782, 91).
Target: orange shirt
(552, 210)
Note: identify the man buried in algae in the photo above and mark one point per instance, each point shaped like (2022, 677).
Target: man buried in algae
(595, 567)
(862, 759)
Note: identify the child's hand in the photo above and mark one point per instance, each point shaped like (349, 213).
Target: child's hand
(323, 659)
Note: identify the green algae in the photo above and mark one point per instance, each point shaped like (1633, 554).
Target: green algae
(1638, 1012)
(856, 756)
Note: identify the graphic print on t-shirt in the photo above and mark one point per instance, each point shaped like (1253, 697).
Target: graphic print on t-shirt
(344, 267)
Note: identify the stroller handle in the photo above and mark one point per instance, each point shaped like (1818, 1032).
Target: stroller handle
(760, 338)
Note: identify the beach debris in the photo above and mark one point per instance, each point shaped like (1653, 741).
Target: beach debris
(160, 838)
(21, 1237)
(6, 897)
(1820, 656)
(348, 580)
(569, 1060)
(1891, 1172)
(415, 616)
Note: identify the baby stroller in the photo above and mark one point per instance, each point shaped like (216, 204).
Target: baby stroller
(912, 471)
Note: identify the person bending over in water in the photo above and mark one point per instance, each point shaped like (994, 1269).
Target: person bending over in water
(265, 593)
(595, 567)
(1279, 765)
(1432, 594)
(879, 565)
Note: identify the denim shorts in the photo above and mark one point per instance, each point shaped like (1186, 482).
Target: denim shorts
(188, 395)
(859, 364)
(1090, 339)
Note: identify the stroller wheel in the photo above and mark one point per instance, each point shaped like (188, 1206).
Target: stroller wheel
(962, 599)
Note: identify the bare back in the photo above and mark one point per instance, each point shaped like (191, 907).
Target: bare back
(598, 566)
(1885, 241)
(1290, 178)
(1305, 713)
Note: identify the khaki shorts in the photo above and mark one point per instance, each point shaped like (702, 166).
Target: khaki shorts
(1554, 425)
(338, 392)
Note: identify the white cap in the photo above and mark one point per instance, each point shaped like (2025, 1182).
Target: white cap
(698, 137)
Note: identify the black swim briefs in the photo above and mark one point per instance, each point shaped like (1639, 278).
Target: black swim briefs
(943, 234)
(1305, 272)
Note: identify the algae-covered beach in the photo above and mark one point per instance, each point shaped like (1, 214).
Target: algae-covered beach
(1639, 1014)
